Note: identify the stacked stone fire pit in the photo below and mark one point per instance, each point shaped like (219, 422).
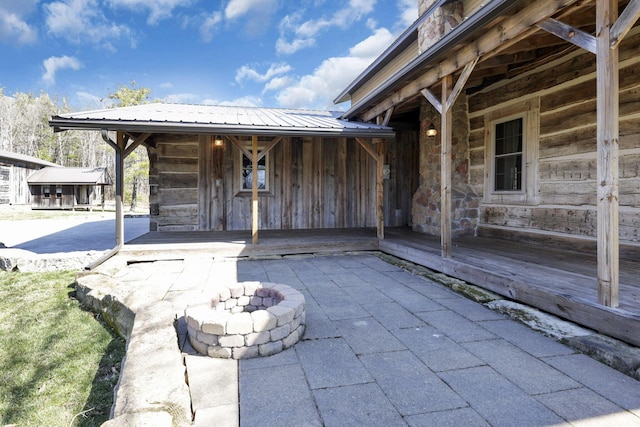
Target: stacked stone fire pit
(246, 319)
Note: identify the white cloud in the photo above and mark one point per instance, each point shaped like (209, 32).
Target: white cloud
(80, 20)
(158, 9)
(13, 26)
(296, 35)
(247, 73)
(278, 83)
(90, 101)
(317, 90)
(237, 8)
(246, 101)
(55, 63)
(208, 26)
(181, 98)
(408, 12)
(257, 13)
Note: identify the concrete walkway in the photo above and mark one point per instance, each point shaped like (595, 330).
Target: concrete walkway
(385, 347)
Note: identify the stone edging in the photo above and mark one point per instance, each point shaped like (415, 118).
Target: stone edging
(152, 389)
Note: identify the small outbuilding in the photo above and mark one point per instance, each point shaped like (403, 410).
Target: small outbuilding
(14, 170)
(68, 188)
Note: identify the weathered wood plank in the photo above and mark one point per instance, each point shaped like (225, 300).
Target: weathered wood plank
(508, 29)
(607, 154)
(204, 181)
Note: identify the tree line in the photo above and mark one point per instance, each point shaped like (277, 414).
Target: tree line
(24, 129)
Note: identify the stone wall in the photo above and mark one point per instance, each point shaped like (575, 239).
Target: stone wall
(443, 20)
(426, 200)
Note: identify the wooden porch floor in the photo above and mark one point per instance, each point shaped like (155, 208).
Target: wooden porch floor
(553, 279)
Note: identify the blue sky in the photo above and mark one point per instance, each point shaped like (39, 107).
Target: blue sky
(272, 53)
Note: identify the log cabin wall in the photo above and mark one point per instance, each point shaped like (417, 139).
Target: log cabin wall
(314, 183)
(560, 199)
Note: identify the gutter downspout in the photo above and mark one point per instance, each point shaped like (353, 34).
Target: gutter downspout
(119, 206)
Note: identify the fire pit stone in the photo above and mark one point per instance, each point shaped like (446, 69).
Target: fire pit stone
(246, 319)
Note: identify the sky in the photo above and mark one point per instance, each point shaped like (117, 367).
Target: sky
(264, 53)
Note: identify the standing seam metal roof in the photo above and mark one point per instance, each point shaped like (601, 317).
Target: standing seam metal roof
(69, 176)
(189, 118)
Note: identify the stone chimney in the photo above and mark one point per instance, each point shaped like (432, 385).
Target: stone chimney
(443, 20)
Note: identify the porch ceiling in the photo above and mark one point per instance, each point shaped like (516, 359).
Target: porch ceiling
(208, 119)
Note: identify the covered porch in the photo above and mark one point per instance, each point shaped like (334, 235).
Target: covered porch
(553, 278)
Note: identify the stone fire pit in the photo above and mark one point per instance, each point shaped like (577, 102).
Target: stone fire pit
(246, 319)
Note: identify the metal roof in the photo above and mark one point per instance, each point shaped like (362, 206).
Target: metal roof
(211, 119)
(17, 157)
(70, 176)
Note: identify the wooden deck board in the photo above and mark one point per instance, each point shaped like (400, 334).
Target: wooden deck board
(556, 280)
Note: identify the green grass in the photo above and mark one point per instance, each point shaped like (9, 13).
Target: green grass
(58, 362)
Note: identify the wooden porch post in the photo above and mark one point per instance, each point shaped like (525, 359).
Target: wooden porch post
(378, 156)
(607, 155)
(380, 190)
(445, 169)
(204, 182)
(254, 189)
(121, 143)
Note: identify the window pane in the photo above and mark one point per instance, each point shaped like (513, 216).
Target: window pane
(247, 173)
(508, 175)
(509, 137)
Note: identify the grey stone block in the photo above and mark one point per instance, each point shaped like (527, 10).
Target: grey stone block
(277, 396)
(270, 348)
(498, 400)
(331, 363)
(409, 384)
(356, 405)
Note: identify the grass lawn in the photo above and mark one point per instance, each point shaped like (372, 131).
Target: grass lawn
(58, 362)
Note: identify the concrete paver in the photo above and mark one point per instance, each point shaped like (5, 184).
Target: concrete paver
(386, 347)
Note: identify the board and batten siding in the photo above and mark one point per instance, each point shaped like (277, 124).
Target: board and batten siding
(314, 183)
(565, 193)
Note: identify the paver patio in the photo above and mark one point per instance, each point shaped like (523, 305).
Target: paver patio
(386, 347)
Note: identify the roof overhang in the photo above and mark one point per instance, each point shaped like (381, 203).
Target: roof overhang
(459, 34)
(206, 119)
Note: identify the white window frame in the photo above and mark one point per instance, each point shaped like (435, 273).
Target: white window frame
(529, 112)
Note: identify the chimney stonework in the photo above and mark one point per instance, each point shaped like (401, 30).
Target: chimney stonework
(443, 20)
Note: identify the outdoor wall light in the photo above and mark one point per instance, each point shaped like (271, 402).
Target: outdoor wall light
(431, 130)
(217, 141)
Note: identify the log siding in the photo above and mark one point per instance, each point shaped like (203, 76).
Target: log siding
(314, 183)
(566, 169)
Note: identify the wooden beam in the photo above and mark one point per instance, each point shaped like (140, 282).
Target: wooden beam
(268, 147)
(136, 143)
(462, 80)
(378, 156)
(489, 40)
(568, 33)
(387, 117)
(205, 182)
(380, 191)
(607, 154)
(254, 190)
(433, 100)
(368, 147)
(240, 145)
(445, 170)
(623, 24)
